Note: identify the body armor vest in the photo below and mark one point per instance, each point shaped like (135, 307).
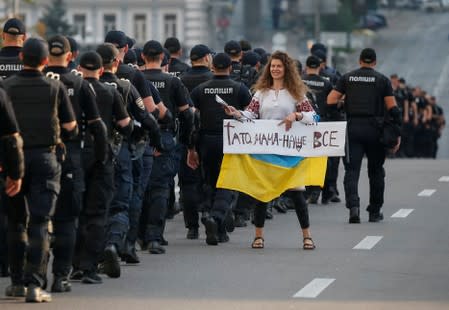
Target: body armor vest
(35, 101)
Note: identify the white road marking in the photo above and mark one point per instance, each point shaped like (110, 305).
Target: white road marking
(368, 243)
(427, 193)
(444, 179)
(314, 288)
(402, 213)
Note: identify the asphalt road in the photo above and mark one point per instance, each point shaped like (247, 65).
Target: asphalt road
(416, 47)
(402, 264)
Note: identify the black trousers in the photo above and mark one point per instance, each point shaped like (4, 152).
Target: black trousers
(211, 154)
(29, 243)
(68, 208)
(302, 212)
(3, 227)
(90, 242)
(363, 139)
(191, 191)
(330, 181)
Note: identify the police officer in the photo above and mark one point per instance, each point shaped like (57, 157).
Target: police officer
(190, 179)
(176, 67)
(99, 178)
(369, 99)
(250, 68)
(123, 218)
(176, 99)
(11, 164)
(201, 59)
(147, 91)
(45, 115)
(69, 202)
(211, 141)
(320, 50)
(319, 90)
(234, 50)
(11, 147)
(74, 49)
(154, 105)
(13, 37)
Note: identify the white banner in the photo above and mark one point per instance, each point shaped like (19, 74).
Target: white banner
(268, 137)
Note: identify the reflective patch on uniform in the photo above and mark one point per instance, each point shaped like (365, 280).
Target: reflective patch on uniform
(366, 79)
(314, 83)
(11, 67)
(92, 89)
(219, 91)
(54, 76)
(159, 84)
(76, 72)
(139, 103)
(123, 79)
(111, 84)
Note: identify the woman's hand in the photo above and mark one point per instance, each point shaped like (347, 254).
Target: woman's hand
(288, 121)
(231, 111)
(193, 160)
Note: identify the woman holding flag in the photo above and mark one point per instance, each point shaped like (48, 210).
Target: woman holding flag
(280, 95)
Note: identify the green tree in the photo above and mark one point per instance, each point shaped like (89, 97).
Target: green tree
(55, 19)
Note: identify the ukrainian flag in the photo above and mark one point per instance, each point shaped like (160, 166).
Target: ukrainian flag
(266, 176)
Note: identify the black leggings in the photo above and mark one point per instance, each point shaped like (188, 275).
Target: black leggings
(302, 212)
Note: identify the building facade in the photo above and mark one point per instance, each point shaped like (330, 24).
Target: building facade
(140, 19)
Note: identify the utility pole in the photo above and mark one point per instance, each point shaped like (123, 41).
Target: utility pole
(317, 19)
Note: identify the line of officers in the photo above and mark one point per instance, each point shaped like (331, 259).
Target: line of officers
(102, 145)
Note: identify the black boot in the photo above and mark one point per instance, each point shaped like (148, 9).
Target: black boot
(354, 215)
(111, 262)
(211, 231)
(130, 255)
(60, 284)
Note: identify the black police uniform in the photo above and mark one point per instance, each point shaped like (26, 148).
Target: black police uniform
(8, 126)
(365, 90)
(174, 95)
(9, 64)
(40, 104)
(70, 199)
(236, 70)
(320, 89)
(123, 217)
(99, 178)
(211, 140)
(176, 67)
(195, 76)
(189, 179)
(9, 61)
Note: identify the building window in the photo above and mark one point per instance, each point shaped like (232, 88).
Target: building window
(140, 27)
(170, 25)
(79, 23)
(109, 23)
